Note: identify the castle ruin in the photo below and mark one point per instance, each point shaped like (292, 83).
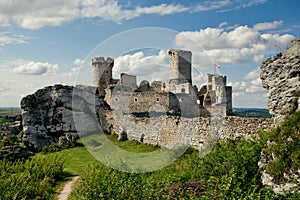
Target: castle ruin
(177, 96)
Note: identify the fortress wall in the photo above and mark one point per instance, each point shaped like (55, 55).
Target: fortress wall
(199, 132)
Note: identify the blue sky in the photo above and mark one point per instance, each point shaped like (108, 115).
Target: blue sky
(46, 42)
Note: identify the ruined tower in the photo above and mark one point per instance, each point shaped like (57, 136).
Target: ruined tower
(218, 93)
(102, 74)
(180, 66)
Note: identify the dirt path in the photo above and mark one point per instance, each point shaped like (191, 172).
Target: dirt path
(64, 194)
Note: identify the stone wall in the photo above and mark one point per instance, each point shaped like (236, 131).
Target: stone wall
(199, 132)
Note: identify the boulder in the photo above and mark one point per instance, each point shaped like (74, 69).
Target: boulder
(55, 110)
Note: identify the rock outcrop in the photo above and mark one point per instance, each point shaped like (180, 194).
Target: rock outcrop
(57, 111)
(281, 76)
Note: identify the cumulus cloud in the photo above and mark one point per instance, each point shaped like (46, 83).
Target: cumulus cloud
(14, 86)
(11, 38)
(267, 25)
(78, 62)
(36, 68)
(35, 14)
(252, 75)
(148, 67)
(249, 89)
(239, 45)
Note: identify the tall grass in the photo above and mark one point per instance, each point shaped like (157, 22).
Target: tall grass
(31, 179)
(229, 171)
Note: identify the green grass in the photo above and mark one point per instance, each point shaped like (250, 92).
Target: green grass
(33, 179)
(76, 160)
(128, 156)
(229, 171)
(10, 113)
(132, 146)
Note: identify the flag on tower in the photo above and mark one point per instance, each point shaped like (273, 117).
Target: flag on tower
(216, 65)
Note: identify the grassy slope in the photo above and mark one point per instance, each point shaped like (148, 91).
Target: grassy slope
(77, 160)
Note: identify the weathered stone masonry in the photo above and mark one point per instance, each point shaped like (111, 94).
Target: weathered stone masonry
(170, 131)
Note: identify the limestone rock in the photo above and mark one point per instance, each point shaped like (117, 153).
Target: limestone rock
(67, 140)
(54, 110)
(281, 76)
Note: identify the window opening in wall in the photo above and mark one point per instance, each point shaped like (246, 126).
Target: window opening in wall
(182, 90)
(164, 85)
(135, 99)
(157, 99)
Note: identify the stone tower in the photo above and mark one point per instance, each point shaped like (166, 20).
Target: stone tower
(102, 74)
(180, 67)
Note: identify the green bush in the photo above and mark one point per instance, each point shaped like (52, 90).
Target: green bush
(51, 148)
(285, 147)
(229, 171)
(31, 179)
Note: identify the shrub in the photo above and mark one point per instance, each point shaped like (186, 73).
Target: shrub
(229, 171)
(51, 148)
(31, 179)
(284, 146)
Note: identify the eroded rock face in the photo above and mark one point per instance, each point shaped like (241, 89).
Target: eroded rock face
(281, 76)
(56, 110)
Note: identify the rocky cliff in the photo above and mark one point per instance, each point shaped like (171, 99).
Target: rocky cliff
(57, 111)
(281, 76)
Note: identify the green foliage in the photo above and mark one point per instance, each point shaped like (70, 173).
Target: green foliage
(229, 171)
(31, 179)
(11, 140)
(51, 148)
(284, 146)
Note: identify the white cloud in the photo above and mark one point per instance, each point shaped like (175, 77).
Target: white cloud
(14, 86)
(36, 68)
(239, 45)
(252, 75)
(212, 5)
(249, 93)
(146, 67)
(267, 25)
(11, 38)
(78, 62)
(35, 14)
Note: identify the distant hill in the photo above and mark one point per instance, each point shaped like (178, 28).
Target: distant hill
(9, 111)
(251, 112)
